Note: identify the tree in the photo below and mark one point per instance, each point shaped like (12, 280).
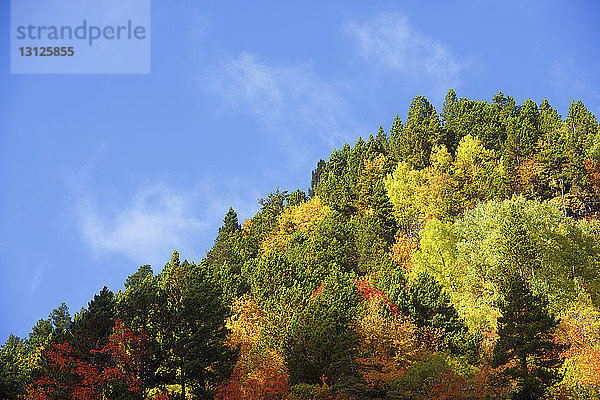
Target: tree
(12, 371)
(580, 328)
(260, 372)
(40, 334)
(395, 142)
(66, 375)
(316, 177)
(430, 308)
(525, 346)
(320, 340)
(296, 198)
(449, 135)
(420, 133)
(230, 223)
(139, 308)
(93, 326)
(135, 280)
(226, 257)
(194, 332)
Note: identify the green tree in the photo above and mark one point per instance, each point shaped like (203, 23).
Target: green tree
(395, 142)
(193, 328)
(230, 223)
(320, 339)
(450, 129)
(40, 334)
(139, 306)
(12, 371)
(135, 280)
(429, 306)
(226, 258)
(316, 177)
(584, 127)
(92, 326)
(296, 198)
(61, 323)
(420, 134)
(525, 344)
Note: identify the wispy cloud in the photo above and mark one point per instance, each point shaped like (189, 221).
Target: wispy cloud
(38, 275)
(390, 42)
(284, 98)
(147, 223)
(154, 222)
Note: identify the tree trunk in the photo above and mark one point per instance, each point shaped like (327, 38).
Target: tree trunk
(182, 379)
(524, 368)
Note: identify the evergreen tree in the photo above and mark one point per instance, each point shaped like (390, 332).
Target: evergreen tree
(429, 306)
(395, 142)
(549, 119)
(193, 328)
(92, 326)
(296, 198)
(420, 134)
(226, 257)
(134, 281)
(139, 308)
(61, 323)
(230, 223)
(12, 374)
(525, 346)
(40, 334)
(449, 135)
(316, 177)
(583, 126)
(320, 339)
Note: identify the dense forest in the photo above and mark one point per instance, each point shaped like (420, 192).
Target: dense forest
(456, 256)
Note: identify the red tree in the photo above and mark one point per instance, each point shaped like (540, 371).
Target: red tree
(69, 377)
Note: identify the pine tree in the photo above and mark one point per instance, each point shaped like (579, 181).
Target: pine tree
(395, 141)
(430, 307)
(230, 223)
(192, 319)
(449, 132)
(421, 133)
(316, 177)
(525, 345)
(296, 198)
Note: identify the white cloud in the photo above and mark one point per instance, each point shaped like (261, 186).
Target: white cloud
(390, 42)
(154, 223)
(38, 276)
(285, 99)
(156, 218)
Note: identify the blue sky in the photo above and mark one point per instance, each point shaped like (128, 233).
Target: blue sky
(103, 173)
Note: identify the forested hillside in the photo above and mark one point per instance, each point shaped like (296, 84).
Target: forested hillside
(456, 256)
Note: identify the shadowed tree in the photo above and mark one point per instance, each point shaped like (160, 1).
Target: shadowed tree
(526, 347)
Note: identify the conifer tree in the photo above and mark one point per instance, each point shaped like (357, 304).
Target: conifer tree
(230, 223)
(316, 177)
(296, 198)
(395, 141)
(421, 132)
(192, 318)
(449, 132)
(525, 346)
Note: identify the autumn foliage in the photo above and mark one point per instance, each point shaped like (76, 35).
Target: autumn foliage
(402, 251)
(296, 218)
(259, 373)
(67, 376)
(580, 328)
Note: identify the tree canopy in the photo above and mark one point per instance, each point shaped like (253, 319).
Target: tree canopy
(455, 256)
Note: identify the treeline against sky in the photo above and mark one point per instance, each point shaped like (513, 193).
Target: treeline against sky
(456, 256)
